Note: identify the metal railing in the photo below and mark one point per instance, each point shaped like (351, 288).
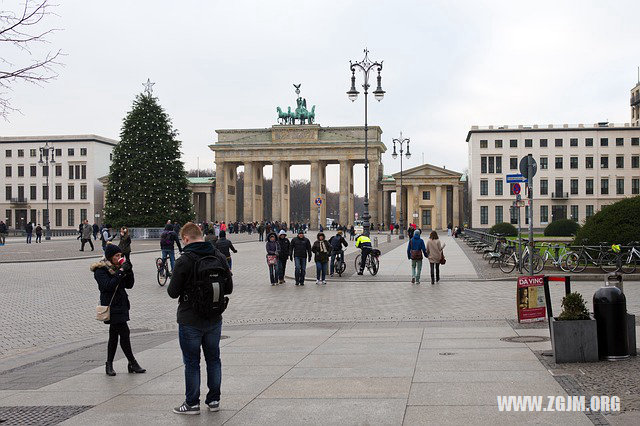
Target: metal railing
(20, 200)
(560, 195)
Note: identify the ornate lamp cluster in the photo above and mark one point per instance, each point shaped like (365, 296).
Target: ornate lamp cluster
(401, 141)
(48, 152)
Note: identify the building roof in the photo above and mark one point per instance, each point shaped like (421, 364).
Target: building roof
(603, 126)
(58, 138)
(195, 180)
(427, 170)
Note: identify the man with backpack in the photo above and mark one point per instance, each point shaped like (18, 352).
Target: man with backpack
(167, 239)
(201, 280)
(105, 236)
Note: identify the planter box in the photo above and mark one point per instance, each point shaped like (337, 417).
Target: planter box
(574, 341)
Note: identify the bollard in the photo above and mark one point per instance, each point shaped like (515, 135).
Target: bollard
(610, 311)
(388, 238)
(375, 241)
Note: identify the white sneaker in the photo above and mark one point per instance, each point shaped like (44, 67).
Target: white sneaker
(324, 283)
(317, 282)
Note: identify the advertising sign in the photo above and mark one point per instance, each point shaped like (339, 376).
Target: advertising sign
(530, 299)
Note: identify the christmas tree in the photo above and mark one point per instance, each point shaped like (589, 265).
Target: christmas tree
(147, 181)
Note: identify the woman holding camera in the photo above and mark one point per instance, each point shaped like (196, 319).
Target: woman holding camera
(114, 276)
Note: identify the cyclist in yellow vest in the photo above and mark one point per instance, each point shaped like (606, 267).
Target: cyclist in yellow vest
(364, 244)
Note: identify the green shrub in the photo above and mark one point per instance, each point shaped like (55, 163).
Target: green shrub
(616, 223)
(561, 228)
(505, 229)
(573, 308)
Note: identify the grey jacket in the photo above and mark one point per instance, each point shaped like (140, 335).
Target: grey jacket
(87, 232)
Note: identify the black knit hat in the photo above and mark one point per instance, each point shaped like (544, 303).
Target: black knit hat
(111, 250)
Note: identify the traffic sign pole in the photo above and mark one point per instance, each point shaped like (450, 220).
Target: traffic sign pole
(530, 173)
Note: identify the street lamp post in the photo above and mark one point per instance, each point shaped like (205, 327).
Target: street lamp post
(366, 66)
(401, 141)
(48, 152)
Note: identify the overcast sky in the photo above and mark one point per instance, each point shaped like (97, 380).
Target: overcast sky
(227, 64)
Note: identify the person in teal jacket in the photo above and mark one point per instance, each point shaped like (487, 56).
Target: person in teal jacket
(415, 251)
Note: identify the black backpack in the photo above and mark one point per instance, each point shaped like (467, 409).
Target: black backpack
(210, 283)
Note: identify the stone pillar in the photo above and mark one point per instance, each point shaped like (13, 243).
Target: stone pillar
(352, 209)
(437, 224)
(207, 209)
(258, 200)
(373, 190)
(456, 206)
(276, 191)
(344, 192)
(322, 177)
(399, 206)
(314, 191)
(286, 188)
(221, 191)
(231, 180)
(387, 209)
(443, 207)
(248, 192)
(416, 205)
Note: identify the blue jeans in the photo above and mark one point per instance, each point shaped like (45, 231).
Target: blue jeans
(301, 268)
(282, 266)
(333, 259)
(172, 256)
(191, 339)
(29, 237)
(321, 270)
(229, 262)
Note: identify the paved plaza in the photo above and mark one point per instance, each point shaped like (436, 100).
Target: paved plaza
(360, 350)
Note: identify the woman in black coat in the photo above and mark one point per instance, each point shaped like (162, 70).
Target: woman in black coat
(114, 276)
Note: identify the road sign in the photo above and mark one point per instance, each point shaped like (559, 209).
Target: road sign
(524, 167)
(318, 201)
(516, 177)
(516, 188)
(519, 203)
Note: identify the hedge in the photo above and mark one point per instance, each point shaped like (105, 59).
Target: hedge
(616, 223)
(505, 229)
(562, 228)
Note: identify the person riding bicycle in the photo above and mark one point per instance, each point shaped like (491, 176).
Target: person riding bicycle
(167, 240)
(336, 242)
(364, 244)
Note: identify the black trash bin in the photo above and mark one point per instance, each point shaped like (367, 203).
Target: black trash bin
(610, 311)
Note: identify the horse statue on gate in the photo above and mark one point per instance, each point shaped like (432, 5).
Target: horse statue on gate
(301, 113)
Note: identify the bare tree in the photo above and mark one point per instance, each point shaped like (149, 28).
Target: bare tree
(201, 173)
(21, 29)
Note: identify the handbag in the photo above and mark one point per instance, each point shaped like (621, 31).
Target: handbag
(272, 259)
(103, 313)
(442, 259)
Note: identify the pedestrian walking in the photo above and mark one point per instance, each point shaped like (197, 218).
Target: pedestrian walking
(3, 232)
(415, 250)
(29, 230)
(80, 226)
(95, 229)
(105, 236)
(336, 242)
(86, 235)
(436, 256)
(168, 240)
(226, 247)
(114, 276)
(273, 252)
(300, 253)
(283, 241)
(352, 233)
(125, 243)
(202, 271)
(322, 250)
(261, 232)
(38, 234)
(449, 228)
(211, 237)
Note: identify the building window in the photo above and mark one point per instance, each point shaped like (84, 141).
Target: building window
(32, 152)
(20, 171)
(558, 162)
(484, 215)
(7, 153)
(8, 192)
(58, 217)
(619, 141)
(484, 187)
(635, 186)
(574, 213)
(498, 143)
(573, 162)
(619, 162)
(70, 192)
(426, 195)
(513, 163)
(620, 186)
(544, 187)
(71, 217)
(604, 162)
(70, 152)
(21, 153)
(77, 172)
(83, 151)
(544, 163)
(58, 170)
(58, 192)
(635, 141)
(543, 143)
(528, 143)
(58, 152)
(574, 186)
(45, 171)
(589, 186)
(83, 169)
(33, 192)
(499, 218)
(635, 162)
(483, 164)
(484, 143)
(558, 142)
(544, 214)
(588, 142)
(70, 171)
(33, 171)
(7, 171)
(492, 164)
(513, 215)
(426, 217)
(588, 162)
(498, 164)
(604, 186)
(604, 142)
(45, 192)
(588, 212)
(573, 141)
(83, 215)
(83, 192)
(513, 143)
(498, 187)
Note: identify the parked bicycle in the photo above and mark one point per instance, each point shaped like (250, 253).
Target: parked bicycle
(557, 255)
(600, 256)
(511, 259)
(373, 262)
